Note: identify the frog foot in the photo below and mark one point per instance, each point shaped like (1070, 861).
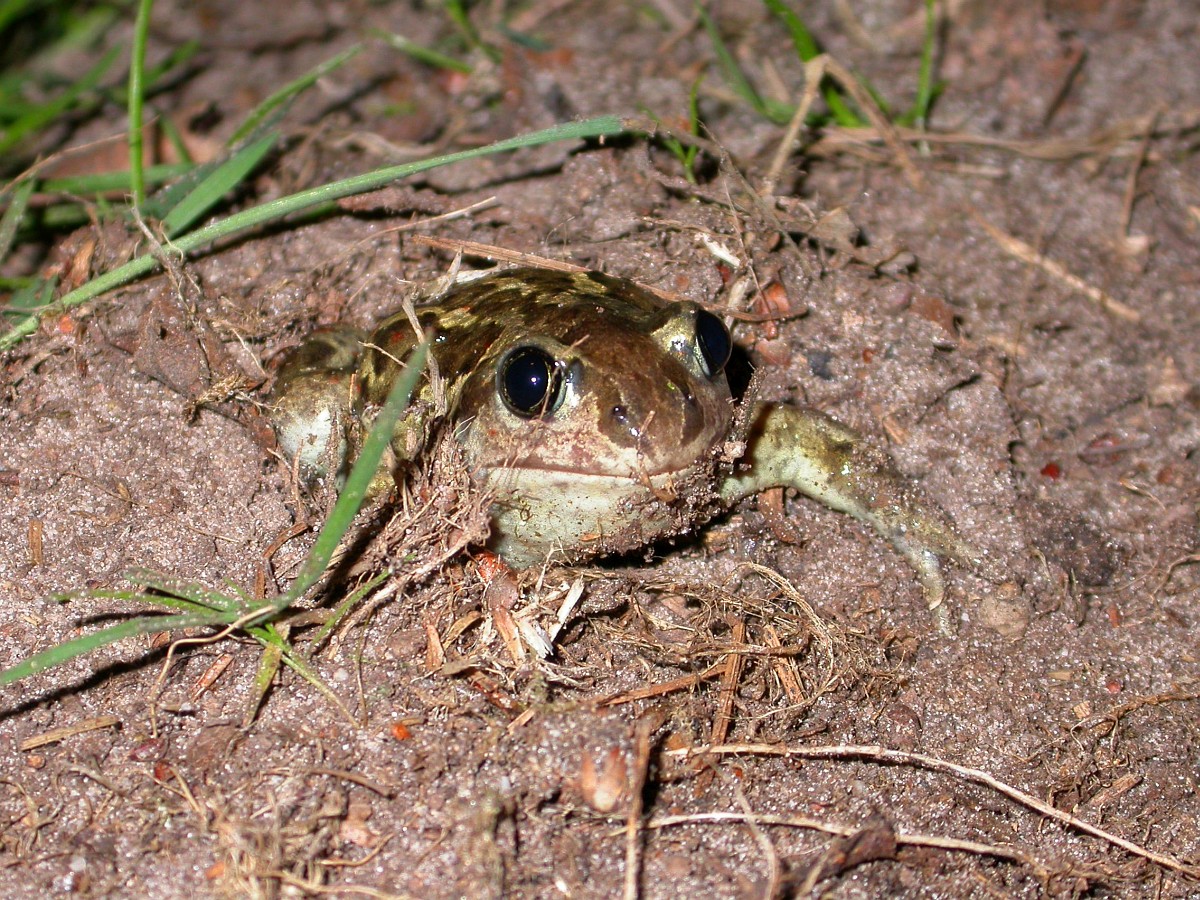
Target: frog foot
(311, 401)
(825, 460)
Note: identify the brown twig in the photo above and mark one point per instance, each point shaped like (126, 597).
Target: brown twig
(1131, 181)
(54, 735)
(683, 683)
(885, 756)
(735, 664)
(814, 71)
(495, 253)
(785, 667)
(912, 839)
(633, 819)
(1105, 142)
(883, 126)
(1028, 254)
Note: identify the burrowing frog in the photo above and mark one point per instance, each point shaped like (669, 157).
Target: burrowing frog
(597, 416)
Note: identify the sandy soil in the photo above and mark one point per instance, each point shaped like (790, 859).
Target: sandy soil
(1014, 314)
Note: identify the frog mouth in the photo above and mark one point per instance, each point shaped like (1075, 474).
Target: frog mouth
(548, 486)
(591, 473)
(637, 470)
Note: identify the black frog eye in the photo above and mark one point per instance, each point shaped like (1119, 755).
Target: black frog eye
(712, 337)
(530, 382)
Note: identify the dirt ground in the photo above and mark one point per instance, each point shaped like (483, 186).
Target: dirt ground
(1013, 312)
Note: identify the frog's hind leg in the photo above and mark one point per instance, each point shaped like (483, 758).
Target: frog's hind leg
(312, 403)
(829, 462)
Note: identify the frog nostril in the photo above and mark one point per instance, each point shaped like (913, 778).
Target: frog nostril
(626, 423)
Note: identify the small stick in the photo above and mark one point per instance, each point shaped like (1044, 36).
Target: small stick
(495, 253)
(1131, 183)
(814, 71)
(1026, 253)
(54, 735)
(735, 663)
(633, 820)
(911, 839)
(899, 757)
(886, 129)
(503, 254)
(667, 687)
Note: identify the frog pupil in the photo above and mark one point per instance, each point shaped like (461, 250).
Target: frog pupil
(713, 339)
(529, 382)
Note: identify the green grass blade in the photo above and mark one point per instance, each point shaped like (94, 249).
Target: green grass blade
(170, 602)
(355, 489)
(457, 11)
(222, 180)
(203, 183)
(802, 39)
(190, 592)
(426, 55)
(307, 200)
(276, 649)
(153, 78)
(171, 132)
(42, 115)
(264, 677)
(275, 103)
(193, 188)
(106, 182)
(774, 111)
(137, 72)
(300, 666)
(13, 215)
(807, 49)
(926, 90)
(343, 608)
(733, 73)
(30, 302)
(89, 643)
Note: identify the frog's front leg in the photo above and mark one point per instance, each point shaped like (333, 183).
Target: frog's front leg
(326, 397)
(806, 450)
(311, 404)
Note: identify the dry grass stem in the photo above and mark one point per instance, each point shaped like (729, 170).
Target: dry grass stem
(883, 126)
(686, 682)
(898, 757)
(495, 253)
(1114, 141)
(814, 71)
(1028, 254)
(912, 839)
(54, 735)
(633, 819)
(735, 664)
(1130, 197)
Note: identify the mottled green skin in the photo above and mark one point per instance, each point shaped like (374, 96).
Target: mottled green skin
(643, 445)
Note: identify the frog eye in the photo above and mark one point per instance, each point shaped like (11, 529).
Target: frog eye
(530, 382)
(712, 337)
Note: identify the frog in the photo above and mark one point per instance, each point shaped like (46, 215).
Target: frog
(598, 418)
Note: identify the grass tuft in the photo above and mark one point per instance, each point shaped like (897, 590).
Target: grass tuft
(315, 199)
(841, 107)
(201, 607)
